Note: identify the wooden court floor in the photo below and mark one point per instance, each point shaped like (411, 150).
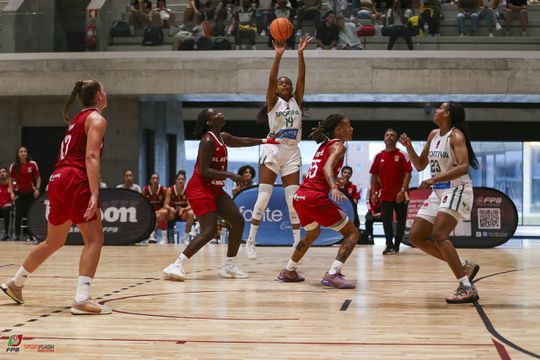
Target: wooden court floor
(397, 311)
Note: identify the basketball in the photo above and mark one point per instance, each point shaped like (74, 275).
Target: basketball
(281, 29)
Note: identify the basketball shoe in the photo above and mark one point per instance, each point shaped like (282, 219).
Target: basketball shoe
(229, 270)
(13, 291)
(463, 294)
(290, 276)
(175, 272)
(338, 281)
(90, 307)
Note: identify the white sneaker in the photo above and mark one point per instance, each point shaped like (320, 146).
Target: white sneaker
(152, 239)
(299, 32)
(231, 271)
(250, 250)
(498, 26)
(175, 272)
(185, 241)
(491, 35)
(263, 33)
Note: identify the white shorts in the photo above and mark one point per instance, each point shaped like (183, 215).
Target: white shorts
(281, 159)
(456, 201)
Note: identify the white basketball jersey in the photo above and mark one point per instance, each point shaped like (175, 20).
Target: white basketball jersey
(441, 159)
(285, 120)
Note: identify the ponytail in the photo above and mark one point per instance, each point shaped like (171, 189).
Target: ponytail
(86, 90)
(457, 119)
(324, 130)
(75, 92)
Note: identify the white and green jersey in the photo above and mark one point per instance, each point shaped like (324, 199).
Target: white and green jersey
(285, 121)
(442, 159)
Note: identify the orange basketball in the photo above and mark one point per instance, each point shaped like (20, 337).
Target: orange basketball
(281, 29)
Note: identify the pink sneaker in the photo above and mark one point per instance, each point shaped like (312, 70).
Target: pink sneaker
(463, 294)
(290, 276)
(338, 281)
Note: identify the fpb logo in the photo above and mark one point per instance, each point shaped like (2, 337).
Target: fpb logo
(14, 343)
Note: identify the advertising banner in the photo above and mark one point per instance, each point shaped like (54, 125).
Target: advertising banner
(275, 227)
(494, 219)
(128, 217)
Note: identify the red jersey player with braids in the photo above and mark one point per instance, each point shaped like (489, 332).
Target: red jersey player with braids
(73, 196)
(177, 205)
(206, 196)
(313, 206)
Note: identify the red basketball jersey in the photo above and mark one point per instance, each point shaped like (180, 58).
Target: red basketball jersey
(156, 198)
(315, 179)
(73, 148)
(219, 162)
(178, 200)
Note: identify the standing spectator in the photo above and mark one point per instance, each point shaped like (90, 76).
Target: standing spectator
(348, 38)
(339, 7)
(488, 11)
(328, 33)
(139, 14)
(347, 185)
(207, 16)
(164, 17)
(468, 9)
(430, 13)
(283, 11)
(129, 182)
(393, 170)
(308, 9)
(516, 7)
(396, 23)
(192, 13)
(247, 173)
(245, 27)
(26, 180)
(381, 8)
(155, 193)
(374, 212)
(6, 200)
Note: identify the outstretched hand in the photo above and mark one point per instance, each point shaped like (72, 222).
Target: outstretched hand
(303, 43)
(405, 140)
(279, 46)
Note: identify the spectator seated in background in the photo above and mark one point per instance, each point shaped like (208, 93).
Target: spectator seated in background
(244, 24)
(247, 173)
(347, 186)
(177, 205)
(7, 197)
(139, 14)
(308, 9)
(207, 18)
(365, 10)
(155, 193)
(519, 8)
(348, 37)
(430, 13)
(282, 10)
(192, 13)
(374, 213)
(396, 24)
(128, 181)
(328, 33)
(468, 9)
(339, 7)
(488, 11)
(163, 16)
(381, 8)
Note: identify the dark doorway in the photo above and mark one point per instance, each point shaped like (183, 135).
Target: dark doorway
(70, 21)
(43, 144)
(171, 158)
(149, 153)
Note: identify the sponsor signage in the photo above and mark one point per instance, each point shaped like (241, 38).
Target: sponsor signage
(128, 217)
(275, 227)
(494, 219)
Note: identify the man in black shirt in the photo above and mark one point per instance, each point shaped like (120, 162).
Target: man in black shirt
(519, 8)
(328, 32)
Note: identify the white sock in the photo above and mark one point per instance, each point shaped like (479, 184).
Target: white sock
(465, 281)
(463, 261)
(291, 266)
(181, 260)
(164, 236)
(296, 236)
(229, 260)
(20, 277)
(83, 288)
(253, 233)
(336, 267)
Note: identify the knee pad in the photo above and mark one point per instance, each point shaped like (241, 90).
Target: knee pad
(265, 192)
(289, 195)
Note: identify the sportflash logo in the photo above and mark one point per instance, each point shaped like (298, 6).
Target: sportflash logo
(110, 214)
(15, 344)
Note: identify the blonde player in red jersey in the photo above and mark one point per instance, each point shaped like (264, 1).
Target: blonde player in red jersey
(73, 196)
(155, 193)
(313, 206)
(177, 206)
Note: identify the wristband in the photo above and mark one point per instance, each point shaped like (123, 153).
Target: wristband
(403, 190)
(269, 140)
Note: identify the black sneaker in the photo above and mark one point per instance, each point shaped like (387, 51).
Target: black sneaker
(389, 250)
(396, 249)
(5, 237)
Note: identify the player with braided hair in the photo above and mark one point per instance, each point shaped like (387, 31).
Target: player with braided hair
(313, 206)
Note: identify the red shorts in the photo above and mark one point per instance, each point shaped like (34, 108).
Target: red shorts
(69, 194)
(203, 197)
(315, 207)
